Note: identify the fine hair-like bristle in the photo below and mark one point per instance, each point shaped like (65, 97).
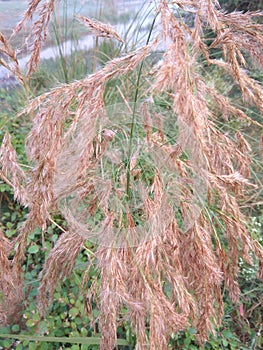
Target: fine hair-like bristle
(172, 278)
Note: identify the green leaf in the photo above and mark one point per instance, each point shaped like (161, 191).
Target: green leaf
(233, 344)
(15, 328)
(43, 326)
(78, 320)
(225, 342)
(83, 331)
(84, 347)
(75, 347)
(33, 249)
(30, 323)
(44, 346)
(13, 216)
(7, 344)
(73, 312)
(36, 317)
(9, 225)
(227, 333)
(32, 346)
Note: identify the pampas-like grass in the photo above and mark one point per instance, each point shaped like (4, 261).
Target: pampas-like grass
(100, 29)
(8, 59)
(44, 11)
(63, 254)
(11, 284)
(174, 279)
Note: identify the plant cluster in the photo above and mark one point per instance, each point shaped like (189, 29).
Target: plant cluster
(153, 183)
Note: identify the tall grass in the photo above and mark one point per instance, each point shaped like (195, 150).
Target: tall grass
(129, 176)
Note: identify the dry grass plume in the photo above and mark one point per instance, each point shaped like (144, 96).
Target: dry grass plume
(174, 279)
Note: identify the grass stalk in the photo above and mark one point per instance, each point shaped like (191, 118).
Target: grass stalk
(137, 88)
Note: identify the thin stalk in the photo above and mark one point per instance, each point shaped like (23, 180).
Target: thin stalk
(96, 47)
(128, 173)
(132, 22)
(59, 43)
(96, 41)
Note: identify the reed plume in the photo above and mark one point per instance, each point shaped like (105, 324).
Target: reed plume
(166, 274)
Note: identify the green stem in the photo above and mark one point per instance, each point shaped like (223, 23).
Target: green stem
(59, 42)
(128, 173)
(96, 50)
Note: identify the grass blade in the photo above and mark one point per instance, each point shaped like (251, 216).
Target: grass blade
(73, 340)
